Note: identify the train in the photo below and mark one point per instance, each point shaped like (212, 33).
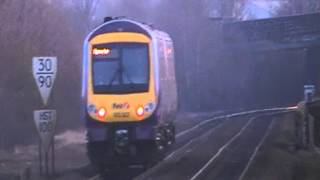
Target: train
(129, 93)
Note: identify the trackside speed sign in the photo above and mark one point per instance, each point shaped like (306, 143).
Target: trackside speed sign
(44, 70)
(44, 73)
(45, 121)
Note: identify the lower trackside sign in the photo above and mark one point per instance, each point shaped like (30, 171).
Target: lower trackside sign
(45, 121)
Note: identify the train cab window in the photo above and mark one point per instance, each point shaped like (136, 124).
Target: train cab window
(120, 68)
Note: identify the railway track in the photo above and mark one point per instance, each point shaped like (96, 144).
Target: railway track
(189, 140)
(233, 154)
(183, 138)
(233, 160)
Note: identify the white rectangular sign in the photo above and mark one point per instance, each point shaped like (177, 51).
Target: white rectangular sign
(44, 73)
(45, 121)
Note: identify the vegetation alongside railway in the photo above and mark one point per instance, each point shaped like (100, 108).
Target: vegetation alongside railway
(39, 28)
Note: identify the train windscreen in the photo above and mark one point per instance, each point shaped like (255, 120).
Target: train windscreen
(120, 68)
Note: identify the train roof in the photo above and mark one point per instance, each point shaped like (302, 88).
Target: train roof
(127, 25)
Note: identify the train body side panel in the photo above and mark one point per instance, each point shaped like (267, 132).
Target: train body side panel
(168, 89)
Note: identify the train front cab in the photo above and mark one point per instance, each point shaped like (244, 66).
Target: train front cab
(121, 112)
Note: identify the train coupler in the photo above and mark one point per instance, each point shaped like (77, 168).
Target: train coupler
(122, 142)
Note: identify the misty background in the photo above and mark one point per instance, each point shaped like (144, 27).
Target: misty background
(211, 75)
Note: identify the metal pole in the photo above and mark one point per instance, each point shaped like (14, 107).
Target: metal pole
(307, 127)
(53, 157)
(46, 163)
(309, 95)
(40, 158)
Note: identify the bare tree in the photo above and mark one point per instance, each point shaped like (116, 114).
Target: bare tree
(85, 10)
(39, 28)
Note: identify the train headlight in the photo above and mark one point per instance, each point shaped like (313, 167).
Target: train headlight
(140, 111)
(102, 112)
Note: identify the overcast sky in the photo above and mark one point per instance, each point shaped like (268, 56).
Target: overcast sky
(258, 9)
